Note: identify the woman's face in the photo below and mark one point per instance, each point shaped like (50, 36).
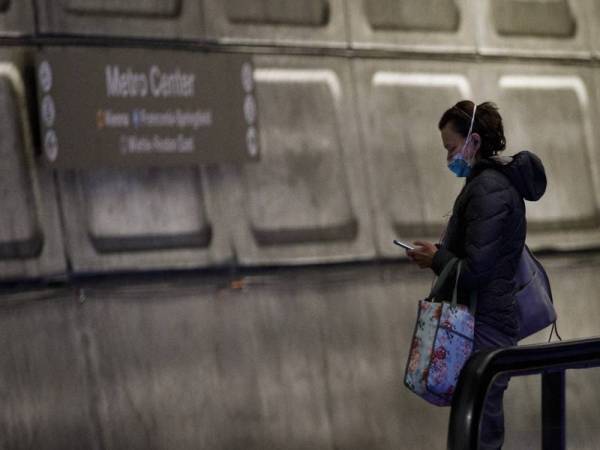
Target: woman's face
(453, 141)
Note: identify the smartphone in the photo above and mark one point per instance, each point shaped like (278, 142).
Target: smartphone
(403, 245)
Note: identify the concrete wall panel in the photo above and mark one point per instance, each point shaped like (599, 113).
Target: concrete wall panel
(305, 200)
(282, 22)
(166, 19)
(45, 386)
(593, 21)
(551, 111)
(16, 18)
(412, 191)
(30, 240)
(20, 237)
(413, 25)
(556, 28)
(307, 360)
(163, 400)
(137, 219)
(296, 359)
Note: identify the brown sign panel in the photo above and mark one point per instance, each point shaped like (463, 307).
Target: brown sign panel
(103, 107)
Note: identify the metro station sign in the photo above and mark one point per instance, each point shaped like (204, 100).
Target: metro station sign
(103, 107)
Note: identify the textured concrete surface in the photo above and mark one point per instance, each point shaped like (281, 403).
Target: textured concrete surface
(554, 28)
(352, 156)
(141, 219)
(306, 200)
(16, 18)
(282, 359)
(31, 243)
(282, 22)
(414, 26)
(166, 19)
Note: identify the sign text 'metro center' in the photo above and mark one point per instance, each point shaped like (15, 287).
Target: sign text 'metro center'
(157, 83)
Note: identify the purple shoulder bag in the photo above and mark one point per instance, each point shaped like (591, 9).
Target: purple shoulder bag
(534, 296)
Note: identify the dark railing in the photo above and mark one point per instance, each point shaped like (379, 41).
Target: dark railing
(551, 360)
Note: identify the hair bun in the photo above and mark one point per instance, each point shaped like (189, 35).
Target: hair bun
(487, 123)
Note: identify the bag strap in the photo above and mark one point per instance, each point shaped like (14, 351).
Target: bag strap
(543, 273)
(472, 294)
(541, 270)
(441, 280)
(455, 290)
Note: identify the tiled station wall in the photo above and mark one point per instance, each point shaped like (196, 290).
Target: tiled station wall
(349, 92)
(349, 95)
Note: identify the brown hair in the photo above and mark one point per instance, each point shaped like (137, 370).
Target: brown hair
(487, 123)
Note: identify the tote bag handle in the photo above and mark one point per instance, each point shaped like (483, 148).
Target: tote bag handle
(441, 280)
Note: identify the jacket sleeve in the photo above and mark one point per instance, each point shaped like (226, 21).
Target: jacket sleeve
(485, 217)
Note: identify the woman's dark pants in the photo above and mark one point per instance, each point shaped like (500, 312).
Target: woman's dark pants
(491, 434)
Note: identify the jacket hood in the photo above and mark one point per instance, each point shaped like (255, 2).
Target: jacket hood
(525, 171)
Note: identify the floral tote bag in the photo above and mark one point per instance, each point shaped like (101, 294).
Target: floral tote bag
(441, 344)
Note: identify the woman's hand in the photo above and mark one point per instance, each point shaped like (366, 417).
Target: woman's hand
(422, 254)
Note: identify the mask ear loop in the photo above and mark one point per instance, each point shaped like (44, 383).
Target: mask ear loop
(472, 121)
(470, 126)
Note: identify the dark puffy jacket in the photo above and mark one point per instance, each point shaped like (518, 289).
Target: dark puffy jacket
(487, 232)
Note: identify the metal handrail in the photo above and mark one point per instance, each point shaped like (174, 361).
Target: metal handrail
(551, 360)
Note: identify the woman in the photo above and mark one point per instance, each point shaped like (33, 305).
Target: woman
(487, 232)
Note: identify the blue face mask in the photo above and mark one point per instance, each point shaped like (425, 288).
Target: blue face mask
(458, 164)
